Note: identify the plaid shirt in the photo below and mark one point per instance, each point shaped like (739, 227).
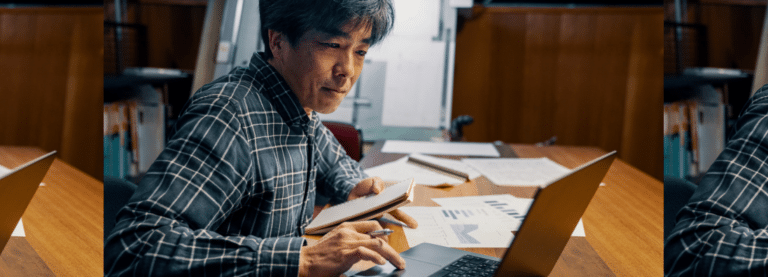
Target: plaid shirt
(232, 192)
(723, 231)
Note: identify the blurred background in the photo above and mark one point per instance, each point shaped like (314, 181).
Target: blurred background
(51, 82)
(586, 73)
(714, 60)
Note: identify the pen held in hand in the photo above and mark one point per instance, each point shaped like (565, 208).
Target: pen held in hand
(382, 232)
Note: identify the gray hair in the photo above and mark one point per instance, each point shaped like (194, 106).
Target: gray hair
(293, 18)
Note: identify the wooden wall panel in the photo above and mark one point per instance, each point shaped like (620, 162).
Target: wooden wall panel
(590, 76)
(734, 34)
(173, 33)
(51, 82)
(733, 27)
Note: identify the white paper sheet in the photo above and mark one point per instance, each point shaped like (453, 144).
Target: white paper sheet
(518, 172)
(4, 171)
(512, 206)
(460, 227)
(19, 230)
(402, 169)
(441, 148)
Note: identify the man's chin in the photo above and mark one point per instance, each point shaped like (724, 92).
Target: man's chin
(327, 110)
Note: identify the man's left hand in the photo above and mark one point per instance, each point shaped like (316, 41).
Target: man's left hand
(375, 185)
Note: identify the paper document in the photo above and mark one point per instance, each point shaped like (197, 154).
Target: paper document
(514, 207)
(402, 169)
(518, 172)
(440, 148)
(19, 230)
(4, 171)
(460, 227)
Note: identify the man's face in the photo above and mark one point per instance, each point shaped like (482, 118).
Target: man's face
(322, 68)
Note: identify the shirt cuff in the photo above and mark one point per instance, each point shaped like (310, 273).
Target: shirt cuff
(279, 256)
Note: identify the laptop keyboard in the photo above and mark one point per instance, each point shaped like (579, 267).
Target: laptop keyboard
(468, 265)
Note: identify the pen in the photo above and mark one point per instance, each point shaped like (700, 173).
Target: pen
(382, 232)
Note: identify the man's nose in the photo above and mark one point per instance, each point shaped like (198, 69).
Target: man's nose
(344, 66)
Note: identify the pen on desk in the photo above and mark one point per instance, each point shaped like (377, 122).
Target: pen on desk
(382, 232)
(460, 174)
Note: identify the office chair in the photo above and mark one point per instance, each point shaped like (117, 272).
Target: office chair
(350, 138)
(677, 192)
(117, 192)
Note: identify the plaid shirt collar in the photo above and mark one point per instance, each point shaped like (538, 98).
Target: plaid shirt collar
(278, 92)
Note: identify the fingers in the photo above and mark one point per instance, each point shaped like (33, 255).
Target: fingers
(373, 185)
(377, 186)
(364, 253)
(362, 226)
(382, 250)
(405, 218)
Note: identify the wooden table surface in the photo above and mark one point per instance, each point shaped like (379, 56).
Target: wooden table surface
(64, 222)
(623, 223)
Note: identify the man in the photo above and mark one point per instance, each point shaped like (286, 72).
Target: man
(723, 231)
(234, 189)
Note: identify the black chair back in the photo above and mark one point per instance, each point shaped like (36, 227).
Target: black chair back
(677, 192)
(117, 192)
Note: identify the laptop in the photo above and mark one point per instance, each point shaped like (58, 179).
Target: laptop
(552, 217)
(16, 190)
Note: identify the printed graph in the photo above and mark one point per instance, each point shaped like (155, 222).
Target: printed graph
(462, 232)
(505, 208)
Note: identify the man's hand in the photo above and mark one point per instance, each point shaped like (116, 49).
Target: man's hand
(344, 246)
(375, 185)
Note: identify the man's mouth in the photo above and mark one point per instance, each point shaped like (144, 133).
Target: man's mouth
(333, 90)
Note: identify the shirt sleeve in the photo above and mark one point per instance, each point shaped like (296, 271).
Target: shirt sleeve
(722, 230)
(168, 227)
(337, 172)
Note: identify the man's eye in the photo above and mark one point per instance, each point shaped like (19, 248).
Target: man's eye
(331, 45)
(362, 53)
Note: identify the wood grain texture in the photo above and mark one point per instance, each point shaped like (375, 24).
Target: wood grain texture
(623, 223)
(52, 82)
(733, 29)
(20, 259)
(734, 34)
(590, 76)
(173, 33)
(64, 223)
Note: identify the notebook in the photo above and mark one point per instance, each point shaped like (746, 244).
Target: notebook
(363, 208)
(16, 191)
(554, 213)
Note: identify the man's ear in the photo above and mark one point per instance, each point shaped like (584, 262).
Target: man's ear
(276, 41)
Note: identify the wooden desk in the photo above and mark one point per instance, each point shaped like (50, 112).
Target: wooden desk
(624, 221)
(64, 222)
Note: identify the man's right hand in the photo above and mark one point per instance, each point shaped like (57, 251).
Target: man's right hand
(344, 246)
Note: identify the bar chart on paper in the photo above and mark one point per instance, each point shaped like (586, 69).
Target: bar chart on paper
(460, 226)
